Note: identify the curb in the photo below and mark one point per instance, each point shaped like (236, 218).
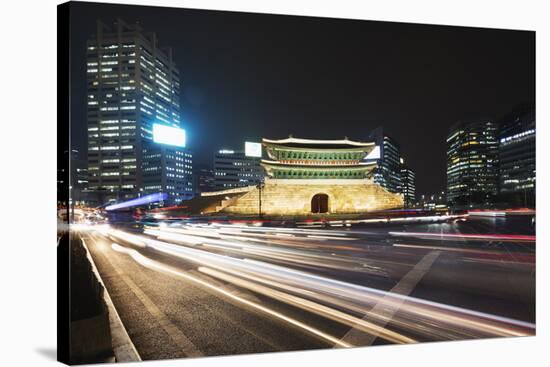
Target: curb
(123, 348)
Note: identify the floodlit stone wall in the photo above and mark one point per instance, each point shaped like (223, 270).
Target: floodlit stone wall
(293, 197)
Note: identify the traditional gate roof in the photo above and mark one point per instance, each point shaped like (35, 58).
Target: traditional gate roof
(315, 144)
(299, 158)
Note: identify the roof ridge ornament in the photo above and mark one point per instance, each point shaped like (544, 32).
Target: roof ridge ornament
(292, 140)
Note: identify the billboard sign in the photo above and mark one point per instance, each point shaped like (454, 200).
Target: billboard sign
(168, 135)
(253, 149)
(374, 154)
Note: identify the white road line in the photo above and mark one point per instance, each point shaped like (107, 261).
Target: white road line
(152, 264)
(172, 330)
(185, 345)
(124, 349)
(404, 287)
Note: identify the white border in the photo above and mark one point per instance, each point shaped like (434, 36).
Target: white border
(28, 154)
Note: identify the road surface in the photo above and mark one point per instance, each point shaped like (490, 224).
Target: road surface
(188, 290)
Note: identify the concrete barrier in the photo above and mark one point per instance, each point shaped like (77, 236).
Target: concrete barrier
(122, 346)
(89, 334)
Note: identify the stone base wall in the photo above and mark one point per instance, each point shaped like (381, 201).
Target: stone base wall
(293, 197)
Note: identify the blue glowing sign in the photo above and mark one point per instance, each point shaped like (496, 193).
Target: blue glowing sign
(148, 199)
(169, 135)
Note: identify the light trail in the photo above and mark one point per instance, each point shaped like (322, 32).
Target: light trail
(492, 254)
(151, 264)
(410, 219)
(437, 312)
(316, 308)
(319, 294)
(267, 251)
(473, 237)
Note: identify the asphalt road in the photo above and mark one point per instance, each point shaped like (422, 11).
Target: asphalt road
(190, 290)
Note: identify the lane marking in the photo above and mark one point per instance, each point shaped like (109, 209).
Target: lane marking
(152, 264)
(311, 306)
(186, 346)
(404, 287)
(238, 292)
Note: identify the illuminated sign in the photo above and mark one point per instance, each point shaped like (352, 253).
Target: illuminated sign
(148, 199)
(374, 154)
(253, 149)
(169, 135)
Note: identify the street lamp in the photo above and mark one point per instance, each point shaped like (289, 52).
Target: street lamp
(260, 186)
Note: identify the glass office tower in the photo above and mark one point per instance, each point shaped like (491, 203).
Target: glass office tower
(472, 163)
(132, 85)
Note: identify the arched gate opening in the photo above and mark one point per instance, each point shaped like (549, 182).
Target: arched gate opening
(319, 203)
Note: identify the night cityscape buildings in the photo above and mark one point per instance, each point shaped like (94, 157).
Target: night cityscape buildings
(204, 178)
(132, 87)
(472, 163)
(232, 168)
(407, 186)
(234, 235)
(391, 171)
(517, 168)
(133, 84)
(493, 163)
(433, 201)
(388, 171)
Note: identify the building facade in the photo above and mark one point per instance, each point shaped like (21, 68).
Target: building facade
(517, 165)
(472, 163)
(388, 171)
(204, 178)
(436, 201)
(408, 185)
(234, 169)
(132, 84)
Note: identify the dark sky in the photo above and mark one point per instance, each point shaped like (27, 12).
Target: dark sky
(247, 76)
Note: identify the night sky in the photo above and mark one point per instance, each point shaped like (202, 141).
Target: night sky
(246, 76)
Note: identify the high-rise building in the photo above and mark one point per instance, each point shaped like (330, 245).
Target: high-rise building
(204, 176)
(387, 155)
(407, 186)
(133, 86)
(517, 169)
(472, 163)
(437, 201)
(235, 169)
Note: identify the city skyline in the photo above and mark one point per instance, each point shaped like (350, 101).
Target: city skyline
(309, 114)
(241, 183)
